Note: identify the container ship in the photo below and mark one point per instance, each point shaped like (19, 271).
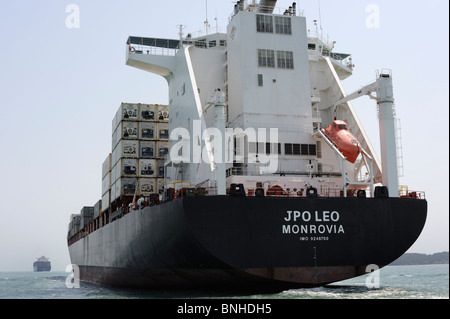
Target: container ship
(257, 175)
(42, 264)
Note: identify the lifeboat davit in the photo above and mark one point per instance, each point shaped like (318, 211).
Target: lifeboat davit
(344, 141)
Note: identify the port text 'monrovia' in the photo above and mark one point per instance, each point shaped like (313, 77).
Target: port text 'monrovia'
(312, 217)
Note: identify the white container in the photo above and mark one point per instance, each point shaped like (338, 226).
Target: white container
(162, 149)
(114, 140)
(106, 184)
(124, 168)
(126, 112)
(147, 186)
(147, 168)
(106, 166)
(147, 131)
(147, 112)
(114, 175)
(128, 167)
(147, 149)
(125, 131)
(163, 113)
(126, 187)
(106, 203)
(163, 131)
(125, 149)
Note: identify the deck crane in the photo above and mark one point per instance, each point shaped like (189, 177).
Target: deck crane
(384, 96)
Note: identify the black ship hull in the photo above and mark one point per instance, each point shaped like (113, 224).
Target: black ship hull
(249, 242)
(39, 266)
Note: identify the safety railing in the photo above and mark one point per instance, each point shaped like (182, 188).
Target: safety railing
(404, 192)
(153, 46)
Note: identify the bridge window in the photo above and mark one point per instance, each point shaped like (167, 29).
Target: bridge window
(285, 59)
(283, 25)
(266, 58)
(264, 23)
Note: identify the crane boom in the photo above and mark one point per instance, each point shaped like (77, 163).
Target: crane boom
(367, 90)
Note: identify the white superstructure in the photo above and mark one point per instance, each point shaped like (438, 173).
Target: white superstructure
(246, 106)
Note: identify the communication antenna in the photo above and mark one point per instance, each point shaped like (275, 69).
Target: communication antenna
(181, 27)
(320, 20)
(206, 21)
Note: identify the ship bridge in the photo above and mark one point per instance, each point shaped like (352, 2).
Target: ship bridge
(161, 51)
(319, 48)
(140, 45)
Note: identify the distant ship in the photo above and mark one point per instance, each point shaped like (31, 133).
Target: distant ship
(42, 264)
(234, 184)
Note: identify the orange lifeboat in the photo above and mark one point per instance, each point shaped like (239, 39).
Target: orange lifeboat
(344, 141)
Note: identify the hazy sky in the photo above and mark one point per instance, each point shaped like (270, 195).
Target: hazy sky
(61, 86)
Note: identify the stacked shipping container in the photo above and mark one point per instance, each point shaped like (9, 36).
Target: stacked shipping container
(140, 135)
(74, 225)
(139, 145)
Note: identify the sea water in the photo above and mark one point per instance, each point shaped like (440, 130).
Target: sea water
(393, 282)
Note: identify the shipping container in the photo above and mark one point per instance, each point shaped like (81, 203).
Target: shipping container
(106, 184)
(147, 112)
(162, 149)
(126, 187)
(87, 211)
(87, 216)
(106, 166)
(147, 131)
(127, 167)
(75, 218)
(114, 174)
(125, 131)
(147, 149)
(160, 165)
(163, 131)
(160, 185)
(147, 186)
(86, 221)
(74, 225)
(114, 140)
(76, 221)
(106, 201)
(113, 194)
(98, 209)
(126, 112)
(147, 168)
(163, 113)
(125, 149)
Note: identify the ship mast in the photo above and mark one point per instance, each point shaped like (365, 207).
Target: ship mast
(206, 21)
